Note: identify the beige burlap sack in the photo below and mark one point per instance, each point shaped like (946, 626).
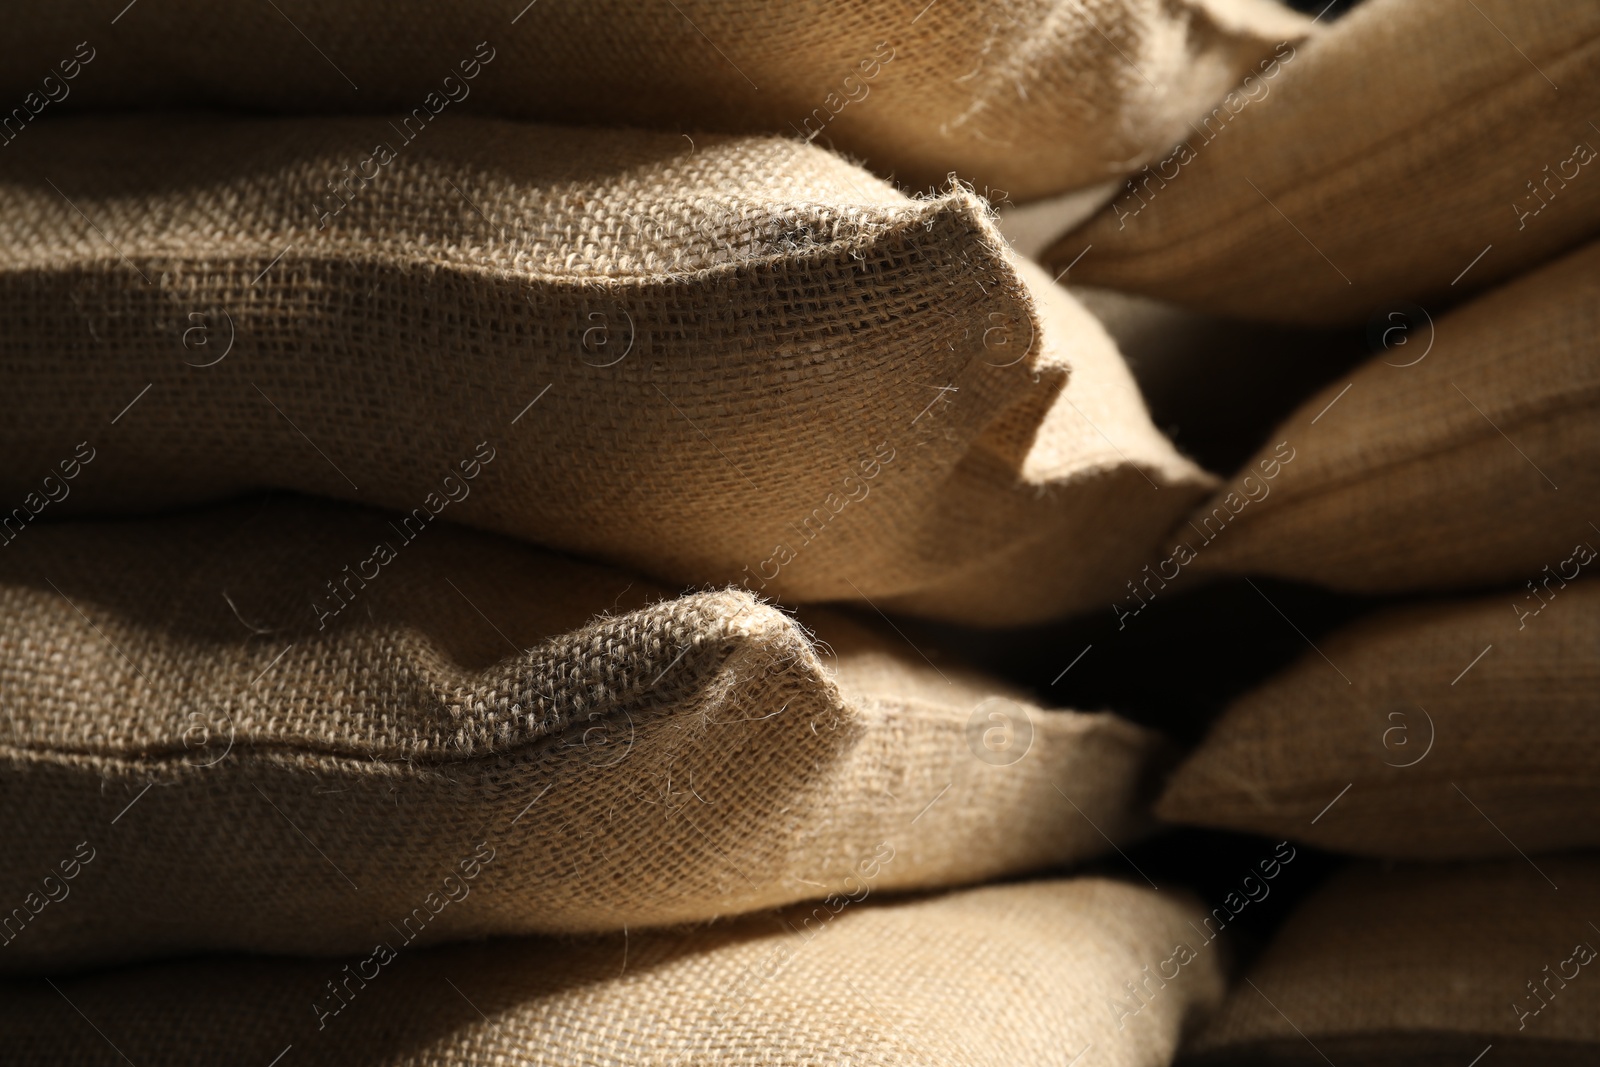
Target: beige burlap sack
(1417, 150)
(1425, 965)
(296, 726)
(1433, 731)
(1464, 457)
(1029, 97)
(1072, 524)
(1011, 976)
(723, 361)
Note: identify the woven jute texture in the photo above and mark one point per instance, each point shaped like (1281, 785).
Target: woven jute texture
(1011, 976)
(1442, 730)
(1425, 965)
(1026, 96)
(297, 726)
(1464, 457)
(1379, 165)
(1097, 488)
(717, 360)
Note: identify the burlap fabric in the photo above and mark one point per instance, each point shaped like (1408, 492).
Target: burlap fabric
(1028, 97)
(1010, 976)
(1442, 730)
(1379, 165)
(1464, 457)
(719, 361)
(1097, 487)
(1425, 965)
(294, 726)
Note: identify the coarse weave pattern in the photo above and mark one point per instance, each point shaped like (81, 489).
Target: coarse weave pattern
(1452, 712)
(866, 984)
(1028, 97)
(1425, 965)
(1378, 165)
(1103, 485)
(690, 357)
(1464, 459)
(264, 750)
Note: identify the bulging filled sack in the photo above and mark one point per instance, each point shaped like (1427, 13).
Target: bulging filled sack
(1003, 975)
(1426, 965)
(291, 726)
(1098, 487)
(727, 360)
(1439, 730)
(1028, 97)
(1418, 150)
(1462, 455)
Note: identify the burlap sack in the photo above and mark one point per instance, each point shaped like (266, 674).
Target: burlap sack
(1015, 975)
(1030, 96)
(700, 359)
(1441, 730)
(1418, 150)
(295, 727)
(1464, 457)
(1425, 965)
(1074, 522)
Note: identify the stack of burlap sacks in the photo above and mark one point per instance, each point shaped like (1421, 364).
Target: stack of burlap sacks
(1423, 168)
(408, 655)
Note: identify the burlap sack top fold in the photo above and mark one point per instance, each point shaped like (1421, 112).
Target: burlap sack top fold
(1014, 975)
(1441, 730)
(1426, 965)
(1097, 488)
(1463, 457)
(717, 360)
(1418, 150)
(1029, 97)
(294, 727)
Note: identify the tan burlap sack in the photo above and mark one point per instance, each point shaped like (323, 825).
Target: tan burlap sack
(1075, 521)
(1028, 97)
(296, 727)
(1440, 730)
(728, 361)
(1426, 966)
(1417, 150)
(1464, 457)
(1010, 976)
